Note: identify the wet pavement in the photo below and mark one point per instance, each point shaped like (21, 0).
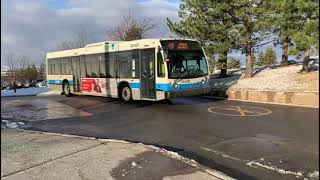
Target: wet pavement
(242, 140)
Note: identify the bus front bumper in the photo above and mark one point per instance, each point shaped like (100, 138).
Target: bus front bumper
(187, 92)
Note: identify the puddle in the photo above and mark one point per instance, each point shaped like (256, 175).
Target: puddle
(38, 109)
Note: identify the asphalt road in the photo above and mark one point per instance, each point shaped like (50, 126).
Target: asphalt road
(243, 140)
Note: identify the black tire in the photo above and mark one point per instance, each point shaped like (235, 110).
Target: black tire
(66, 89)
(125, 93)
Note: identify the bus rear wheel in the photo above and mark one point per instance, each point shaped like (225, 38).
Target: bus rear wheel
(66, 89)
(125, 94)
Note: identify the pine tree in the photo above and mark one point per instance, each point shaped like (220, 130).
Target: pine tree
(281, 21)
(306, 34)
(270, 57)
(261, 59)
(233, 63)
(34, 72)
(224, 25)
(205, 21)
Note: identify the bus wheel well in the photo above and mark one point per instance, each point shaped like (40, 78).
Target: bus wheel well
(64, 81)
(121, 84)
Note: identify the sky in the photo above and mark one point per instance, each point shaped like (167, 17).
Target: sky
(35, 27)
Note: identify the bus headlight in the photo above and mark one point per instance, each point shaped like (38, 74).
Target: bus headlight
(175, 85)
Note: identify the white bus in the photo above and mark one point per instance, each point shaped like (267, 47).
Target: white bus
(146, 69)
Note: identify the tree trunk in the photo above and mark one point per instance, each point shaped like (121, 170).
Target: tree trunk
(223, 61)
(305, 62)
(249, 60)
(285, 47)
(14, 87)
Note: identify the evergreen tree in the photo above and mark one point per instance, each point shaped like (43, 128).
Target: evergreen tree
(270, 57)
(281, 21)
(261, 59)
(204, 21)
(41, 72)
(224, 25)
(233, 63)
(307, 33)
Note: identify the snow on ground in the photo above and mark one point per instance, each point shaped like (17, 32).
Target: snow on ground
(273, 168)
(32, 91)
(11, 125)
(270, 78)
(49, 93)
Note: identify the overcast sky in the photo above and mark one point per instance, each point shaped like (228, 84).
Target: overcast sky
(35, 27)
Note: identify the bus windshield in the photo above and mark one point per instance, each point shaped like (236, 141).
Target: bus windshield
(186, 59)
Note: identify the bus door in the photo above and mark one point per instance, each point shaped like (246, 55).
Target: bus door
(76, 73)
(147, 77)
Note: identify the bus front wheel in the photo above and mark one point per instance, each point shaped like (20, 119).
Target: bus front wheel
(66, 89)
(125, 94)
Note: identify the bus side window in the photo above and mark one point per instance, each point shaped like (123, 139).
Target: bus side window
(160, 65)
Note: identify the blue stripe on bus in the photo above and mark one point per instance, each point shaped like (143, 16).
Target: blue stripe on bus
(58, 82)
(167, 87)
(134, 85)
(159, 86)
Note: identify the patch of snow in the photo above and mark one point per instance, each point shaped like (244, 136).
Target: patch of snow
(275, 78)
(49, 93)
(133, 164)
(11, 125)
(314, 174)
(273, 168)
(32, 91)
(221, 154)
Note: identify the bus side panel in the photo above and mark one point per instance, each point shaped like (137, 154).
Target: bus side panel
(55, 81)
(94, 86)
(112, 88)
(134, 85)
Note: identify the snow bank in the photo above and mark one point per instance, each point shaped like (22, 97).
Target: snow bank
(49, 93)
(25, 91)
(10, 125)
(270, 78)
(273, 168)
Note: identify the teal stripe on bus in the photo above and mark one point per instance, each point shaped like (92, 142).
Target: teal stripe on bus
(59, 82)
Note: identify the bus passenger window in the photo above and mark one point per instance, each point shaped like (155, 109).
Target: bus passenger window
(160, 65)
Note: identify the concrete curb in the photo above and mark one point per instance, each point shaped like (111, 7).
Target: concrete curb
(170, 154)
(291, 98)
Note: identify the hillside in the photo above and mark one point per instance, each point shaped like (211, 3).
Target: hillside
(270, 78)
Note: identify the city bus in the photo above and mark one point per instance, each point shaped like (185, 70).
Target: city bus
(146, 69)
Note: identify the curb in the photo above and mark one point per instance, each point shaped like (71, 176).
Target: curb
(167, 153)
(288, 98)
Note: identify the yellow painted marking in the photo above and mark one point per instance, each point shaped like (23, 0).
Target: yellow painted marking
(76, 93)
(242, 110)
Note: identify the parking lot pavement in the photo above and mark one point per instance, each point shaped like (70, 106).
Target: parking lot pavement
(241, 139)
(34, 155)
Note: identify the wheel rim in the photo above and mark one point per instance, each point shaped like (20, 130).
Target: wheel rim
(68, 88)
(126, 93)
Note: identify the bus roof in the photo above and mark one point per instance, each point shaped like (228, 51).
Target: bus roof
(99, 47)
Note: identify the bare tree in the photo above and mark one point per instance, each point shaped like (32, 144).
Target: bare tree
(15, 65)
(131, 28)
(81, 40)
